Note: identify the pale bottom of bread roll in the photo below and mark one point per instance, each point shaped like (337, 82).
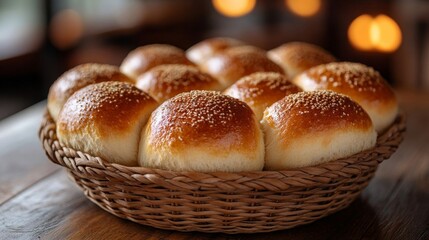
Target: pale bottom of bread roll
(199, 160)
(382, 118)
(314, 149)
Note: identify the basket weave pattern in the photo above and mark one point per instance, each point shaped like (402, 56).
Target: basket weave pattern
(243, 202)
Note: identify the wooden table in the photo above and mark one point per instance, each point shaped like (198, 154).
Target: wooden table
(38, 201)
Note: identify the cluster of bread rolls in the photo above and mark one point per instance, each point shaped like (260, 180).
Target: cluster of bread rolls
(222, 106)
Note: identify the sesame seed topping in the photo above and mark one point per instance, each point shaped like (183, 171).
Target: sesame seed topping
(316, 109)
(166, 81)
(236, 62)
(114, 102)
(320, 101)
(263, 83)
(84, 75)
(203, 115)
(301, 55)
(146, 57)
(346, 74)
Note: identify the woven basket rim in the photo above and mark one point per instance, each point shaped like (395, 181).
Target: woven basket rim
(305, 176)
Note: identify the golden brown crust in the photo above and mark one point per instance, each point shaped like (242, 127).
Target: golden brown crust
(305, 113)
(146, 57)
(112, 106)
(166, 81)
(355, 80)
(82, 76)
(237, 62)
(300, 56)
(303, 55)
(203, 118)
(209, 47)
(217, 44)
(262, 88)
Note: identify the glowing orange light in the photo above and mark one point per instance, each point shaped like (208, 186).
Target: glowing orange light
(359, 32)
(389, 34)
(234, 8)
(375, 34)
(304, 8)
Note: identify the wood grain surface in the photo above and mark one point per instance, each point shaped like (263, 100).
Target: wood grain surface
(38, 201)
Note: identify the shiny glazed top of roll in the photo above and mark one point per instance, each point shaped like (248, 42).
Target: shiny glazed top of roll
(146, 57)
(204, 117)
(237, 62)
(296, 57)
(315, 111)
(361, 83)
(166, 81)
(260, 90)
(77, 78)
(207, 48)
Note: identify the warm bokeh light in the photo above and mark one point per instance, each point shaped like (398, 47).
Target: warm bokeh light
(66, 28)
(304, 8)
(375, 34)
(387, 36)
(234, 8)
(359, 32)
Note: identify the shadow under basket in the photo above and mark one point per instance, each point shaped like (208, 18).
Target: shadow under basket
(241, 202)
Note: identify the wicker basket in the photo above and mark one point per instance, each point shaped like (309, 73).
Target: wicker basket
(243, 202)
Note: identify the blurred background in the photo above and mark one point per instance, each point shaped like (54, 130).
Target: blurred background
(40, 39)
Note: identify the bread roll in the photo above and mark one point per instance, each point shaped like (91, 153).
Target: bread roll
(260, 90)
(144, 58)
(105, 120)
(205, 49)
(308, 128)
(296, 57)
(361, 83)
(202, 131)
(237, 62)
(77, 78)
(166, 81)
